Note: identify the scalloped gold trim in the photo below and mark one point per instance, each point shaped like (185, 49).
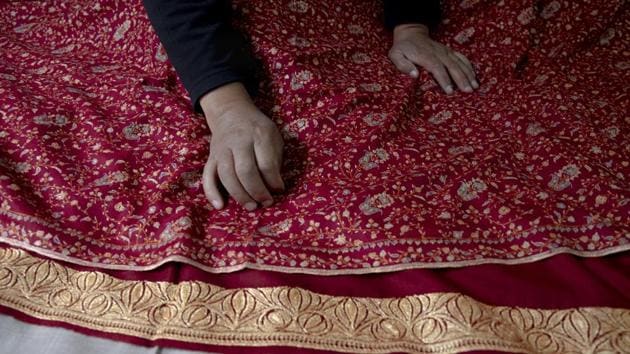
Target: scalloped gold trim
(198, 312)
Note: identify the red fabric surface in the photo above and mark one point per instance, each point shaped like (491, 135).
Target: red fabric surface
(101, 154)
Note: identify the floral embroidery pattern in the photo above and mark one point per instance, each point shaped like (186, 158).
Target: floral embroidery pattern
(471, 189)
(101, 154)
(300, 79)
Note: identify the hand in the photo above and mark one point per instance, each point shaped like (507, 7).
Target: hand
(245, 149)
(412, 46)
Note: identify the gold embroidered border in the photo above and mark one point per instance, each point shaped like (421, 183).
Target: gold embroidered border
(198, 312)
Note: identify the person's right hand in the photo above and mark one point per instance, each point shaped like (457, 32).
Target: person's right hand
(413, 46)
(245, 149)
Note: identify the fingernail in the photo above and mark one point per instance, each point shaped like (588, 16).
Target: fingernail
(449, 89)
(216, 204)
(250, 206)
(468, 89)
(475, 84)
(414, 73)
(267, 203)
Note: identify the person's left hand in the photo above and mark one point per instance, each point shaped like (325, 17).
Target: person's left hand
(412, 46)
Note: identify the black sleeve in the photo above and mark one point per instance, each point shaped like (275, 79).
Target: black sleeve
(399, 12)
(202, 46)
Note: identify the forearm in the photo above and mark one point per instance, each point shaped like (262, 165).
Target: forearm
(398, 12)
(206, 52)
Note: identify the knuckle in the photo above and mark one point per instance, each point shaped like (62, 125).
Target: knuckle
(264, 131)
(267, 124)
(414, 57)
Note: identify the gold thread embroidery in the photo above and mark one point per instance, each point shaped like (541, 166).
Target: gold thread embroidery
(198, 312)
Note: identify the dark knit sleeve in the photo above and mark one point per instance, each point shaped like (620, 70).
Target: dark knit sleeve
(399, 12)
(202, 46)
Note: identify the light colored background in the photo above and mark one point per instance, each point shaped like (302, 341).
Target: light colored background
(18, 337)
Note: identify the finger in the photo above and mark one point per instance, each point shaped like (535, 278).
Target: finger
(433, 65)
(269, 163)
(456, 73)
(230, 181)
(211, 184)
(403, 64)
(437, 69)
(468, 68)
(465, 60)
(249, 176)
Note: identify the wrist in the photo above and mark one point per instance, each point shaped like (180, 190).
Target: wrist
(406, 28)
(217, 102)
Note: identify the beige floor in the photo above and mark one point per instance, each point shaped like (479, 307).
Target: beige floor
(24, 338)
